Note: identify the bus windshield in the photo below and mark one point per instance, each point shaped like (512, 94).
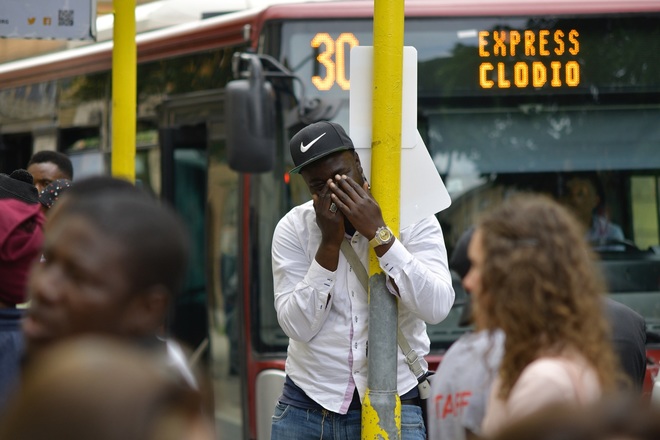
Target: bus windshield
(566, 106)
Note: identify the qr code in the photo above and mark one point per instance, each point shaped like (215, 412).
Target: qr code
(65, 17)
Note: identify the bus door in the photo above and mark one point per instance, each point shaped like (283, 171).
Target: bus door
(197, 180)
(183, 168)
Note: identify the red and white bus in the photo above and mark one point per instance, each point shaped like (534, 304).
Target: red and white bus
(514, 95)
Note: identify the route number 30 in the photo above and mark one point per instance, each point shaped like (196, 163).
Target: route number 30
(333, 58)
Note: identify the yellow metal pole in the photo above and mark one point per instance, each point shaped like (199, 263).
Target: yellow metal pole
(124, 102)
(386, 125)
(381, 411)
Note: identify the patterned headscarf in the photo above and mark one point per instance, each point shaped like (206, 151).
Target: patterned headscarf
(52, 192)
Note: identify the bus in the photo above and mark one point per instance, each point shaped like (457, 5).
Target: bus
(513, 95)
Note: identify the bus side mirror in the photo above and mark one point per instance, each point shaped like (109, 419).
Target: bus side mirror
(250, 121)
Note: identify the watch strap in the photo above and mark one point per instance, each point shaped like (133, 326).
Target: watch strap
(412, 358)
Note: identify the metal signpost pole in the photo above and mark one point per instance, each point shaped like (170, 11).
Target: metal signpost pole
(124, 102)
(381, 414)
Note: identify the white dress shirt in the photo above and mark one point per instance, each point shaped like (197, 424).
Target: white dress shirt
(325, 313)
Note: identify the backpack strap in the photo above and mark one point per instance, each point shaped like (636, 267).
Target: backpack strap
(412, 358)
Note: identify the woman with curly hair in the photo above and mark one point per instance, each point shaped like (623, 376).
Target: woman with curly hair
(534, 276)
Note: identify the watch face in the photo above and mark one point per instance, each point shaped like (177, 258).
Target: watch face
(384, 234)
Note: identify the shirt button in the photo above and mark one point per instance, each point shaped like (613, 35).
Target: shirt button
(352, 293)
(356, 319)
(356, 345)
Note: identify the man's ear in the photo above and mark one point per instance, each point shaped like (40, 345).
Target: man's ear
(147, 311)
(357, 160)
(359, 166)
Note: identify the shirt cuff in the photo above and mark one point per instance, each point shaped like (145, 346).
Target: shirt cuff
(394, 259)
(319, 278)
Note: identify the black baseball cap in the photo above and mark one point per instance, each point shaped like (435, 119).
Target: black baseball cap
(317, 141)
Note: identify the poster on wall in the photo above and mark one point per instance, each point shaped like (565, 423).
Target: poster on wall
(48, 19)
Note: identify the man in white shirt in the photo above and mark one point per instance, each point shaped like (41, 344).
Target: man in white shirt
(321, 304)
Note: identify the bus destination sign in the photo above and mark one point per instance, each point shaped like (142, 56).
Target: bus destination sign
(492, 57)
(529, 58)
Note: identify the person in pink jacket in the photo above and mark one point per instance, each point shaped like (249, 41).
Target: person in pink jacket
(21, 237)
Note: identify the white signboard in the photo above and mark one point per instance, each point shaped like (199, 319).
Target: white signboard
(48, 19)
(423, 192)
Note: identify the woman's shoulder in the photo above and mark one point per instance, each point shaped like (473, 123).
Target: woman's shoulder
(564, 377)
(560, 367)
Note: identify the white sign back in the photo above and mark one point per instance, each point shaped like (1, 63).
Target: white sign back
(423, 192)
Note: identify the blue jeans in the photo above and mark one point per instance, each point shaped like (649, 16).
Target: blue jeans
(291, 423)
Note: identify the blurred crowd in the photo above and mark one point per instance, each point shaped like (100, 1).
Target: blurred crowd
(89, 271)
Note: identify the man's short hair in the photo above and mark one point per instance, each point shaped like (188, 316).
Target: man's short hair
(154, 239)
(60, 159)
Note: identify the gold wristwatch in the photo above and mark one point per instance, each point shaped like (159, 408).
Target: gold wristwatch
(383, 236)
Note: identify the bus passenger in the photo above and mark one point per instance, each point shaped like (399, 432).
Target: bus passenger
(47, 166)
(585, 197)
(321, 304)
(114, 259)
(21, 237)
(533, 276)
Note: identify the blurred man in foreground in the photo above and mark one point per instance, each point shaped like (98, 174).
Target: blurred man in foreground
(114, 259)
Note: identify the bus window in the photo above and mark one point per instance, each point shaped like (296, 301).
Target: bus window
(644, 194)
(598, 165)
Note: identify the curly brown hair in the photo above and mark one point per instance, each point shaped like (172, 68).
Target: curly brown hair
(542, 287)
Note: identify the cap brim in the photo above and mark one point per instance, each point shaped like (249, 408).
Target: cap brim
(297, 169)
